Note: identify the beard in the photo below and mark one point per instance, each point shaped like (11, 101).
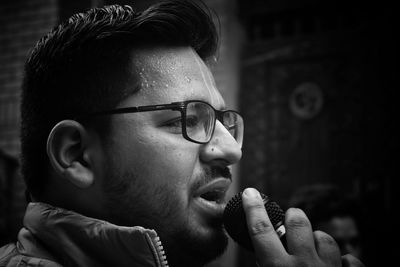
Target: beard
(132, 201)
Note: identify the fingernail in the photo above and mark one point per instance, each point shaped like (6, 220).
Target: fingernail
(251, 192)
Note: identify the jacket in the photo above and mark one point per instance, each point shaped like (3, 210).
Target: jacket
(54, 237)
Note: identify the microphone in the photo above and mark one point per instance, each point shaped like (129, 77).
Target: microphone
(235, 223)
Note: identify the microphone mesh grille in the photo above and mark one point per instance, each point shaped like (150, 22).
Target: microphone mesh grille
(235, 220)
(275, 213)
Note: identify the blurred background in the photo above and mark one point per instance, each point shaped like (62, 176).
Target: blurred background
(314, 80)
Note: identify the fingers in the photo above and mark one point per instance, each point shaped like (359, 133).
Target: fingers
(349, 260)
(327, 248)
(266, 242)
(305, 247)
(299, 234)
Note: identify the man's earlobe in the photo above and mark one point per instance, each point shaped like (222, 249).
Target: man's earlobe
(79, 175)
(67, 152)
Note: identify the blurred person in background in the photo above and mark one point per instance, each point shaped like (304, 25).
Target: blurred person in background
(334, 212)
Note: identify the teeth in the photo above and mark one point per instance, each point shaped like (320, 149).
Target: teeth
(215, 196)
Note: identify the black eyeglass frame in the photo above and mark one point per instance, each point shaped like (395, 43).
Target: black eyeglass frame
(178, 106)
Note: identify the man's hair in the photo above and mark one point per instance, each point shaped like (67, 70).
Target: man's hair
(83, 65)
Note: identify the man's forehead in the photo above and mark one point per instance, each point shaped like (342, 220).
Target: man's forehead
(177, 71)
(165, 61)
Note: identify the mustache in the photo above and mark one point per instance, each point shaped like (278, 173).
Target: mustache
(215, 172)
(211, 173)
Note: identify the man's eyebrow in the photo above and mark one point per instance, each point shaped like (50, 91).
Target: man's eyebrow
(223, 106)
(130, 91)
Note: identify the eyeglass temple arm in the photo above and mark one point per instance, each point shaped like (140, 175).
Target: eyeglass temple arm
(177, 106)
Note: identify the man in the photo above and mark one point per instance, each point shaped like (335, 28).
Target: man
(127, 144)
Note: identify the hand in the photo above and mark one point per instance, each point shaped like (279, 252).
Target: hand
(304, 247)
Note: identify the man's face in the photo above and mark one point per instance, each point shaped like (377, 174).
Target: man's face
(157, 179)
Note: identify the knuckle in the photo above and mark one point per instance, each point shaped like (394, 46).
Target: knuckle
(260, 227)
(323, 237)
(295, 218)
(297, 223)
(257, 205)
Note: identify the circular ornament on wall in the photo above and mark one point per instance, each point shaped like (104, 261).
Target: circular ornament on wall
(306, 100)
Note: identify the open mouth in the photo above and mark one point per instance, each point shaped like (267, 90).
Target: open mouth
(217, 196)
(214, 192)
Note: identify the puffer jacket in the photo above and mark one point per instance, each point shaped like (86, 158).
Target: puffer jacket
(54, 237)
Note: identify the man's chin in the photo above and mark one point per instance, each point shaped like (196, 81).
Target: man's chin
(196, 249)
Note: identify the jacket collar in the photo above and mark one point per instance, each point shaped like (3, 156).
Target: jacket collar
(73, 239)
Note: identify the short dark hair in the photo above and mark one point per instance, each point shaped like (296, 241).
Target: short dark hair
(83, 66)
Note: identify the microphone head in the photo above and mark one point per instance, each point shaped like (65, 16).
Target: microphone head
(235, 223)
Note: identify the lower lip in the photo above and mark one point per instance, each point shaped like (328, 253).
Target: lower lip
(210, 208)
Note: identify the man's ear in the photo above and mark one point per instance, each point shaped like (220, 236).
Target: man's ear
(68, 154)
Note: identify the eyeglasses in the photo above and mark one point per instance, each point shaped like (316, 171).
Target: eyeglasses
(198, 119)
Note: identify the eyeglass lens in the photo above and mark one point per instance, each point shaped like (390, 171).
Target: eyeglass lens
(200, 121)
(233, 122)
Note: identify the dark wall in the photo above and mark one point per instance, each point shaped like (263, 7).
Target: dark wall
(318, 97)
(12, 198)
(22, 23)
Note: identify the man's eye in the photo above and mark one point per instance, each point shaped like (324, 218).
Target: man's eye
(174, 123)
(192, 121)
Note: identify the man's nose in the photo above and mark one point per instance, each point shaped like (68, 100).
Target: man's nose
(222, 147)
